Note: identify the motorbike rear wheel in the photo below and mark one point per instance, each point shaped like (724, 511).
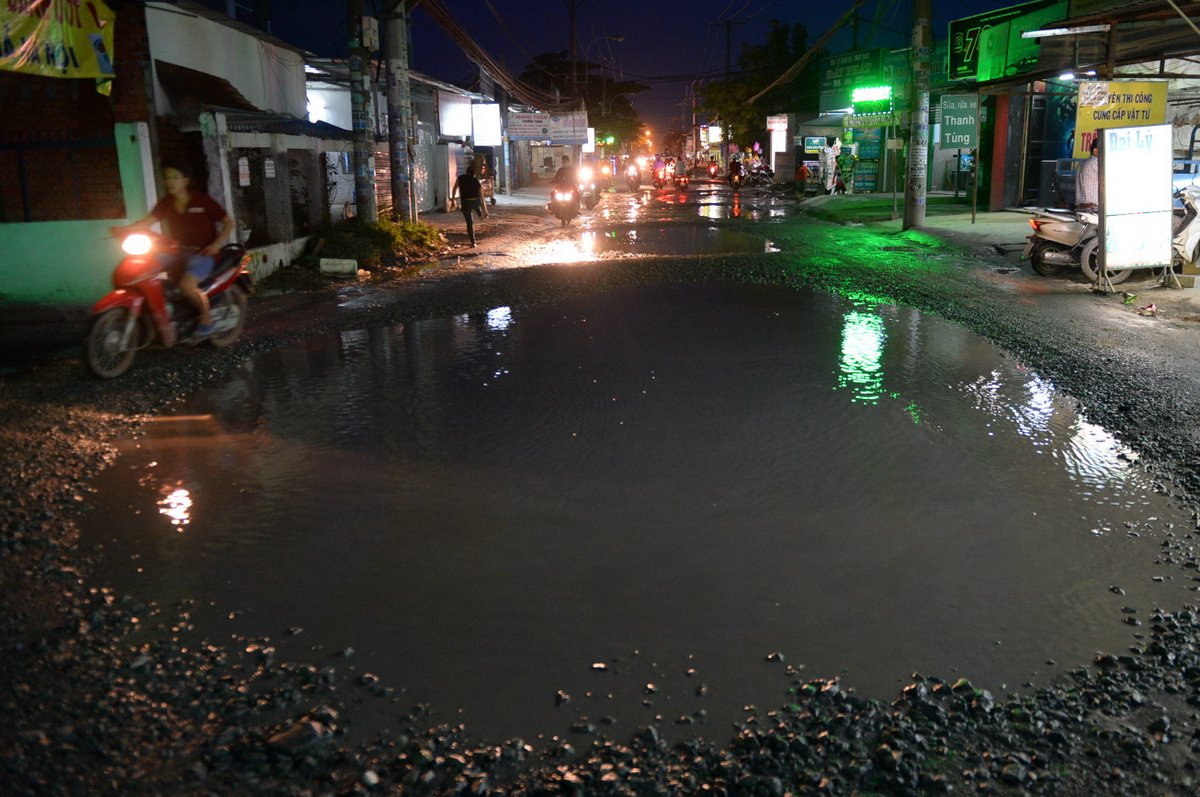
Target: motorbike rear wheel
(236, 305)
(1037, 259)
(1089, 262)
(103, 350)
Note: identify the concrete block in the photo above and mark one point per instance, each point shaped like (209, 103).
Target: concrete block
(334, 267)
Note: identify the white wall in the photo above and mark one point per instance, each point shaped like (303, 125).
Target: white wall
(331, 104)
(270, 77)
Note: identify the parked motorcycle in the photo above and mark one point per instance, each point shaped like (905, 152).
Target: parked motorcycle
(564, 203)
(145, 308)
(1185, 240)
(588, 192)
(1064, 239)
(633, 177)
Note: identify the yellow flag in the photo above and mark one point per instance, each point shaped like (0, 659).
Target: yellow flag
(57, 38)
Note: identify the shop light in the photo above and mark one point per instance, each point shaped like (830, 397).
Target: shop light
(1042, 34)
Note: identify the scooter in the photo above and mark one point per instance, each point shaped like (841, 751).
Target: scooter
(1065, 239)
(660, 177)
(588, 195)
(735, 180)
(146, 309)
(633, 177)
(681, 181)
(712, 170)
(1185, 240)
(564, 203)
(606, 175)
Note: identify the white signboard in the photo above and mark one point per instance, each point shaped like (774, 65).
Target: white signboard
(590, 145)
(557, 128)
(1135, 197)
(485, 125)
(778, 122)
(454, 114)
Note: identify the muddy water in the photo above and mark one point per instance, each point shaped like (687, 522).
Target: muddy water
(660, 480)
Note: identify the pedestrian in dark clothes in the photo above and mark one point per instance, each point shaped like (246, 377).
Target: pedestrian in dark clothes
(468, 188)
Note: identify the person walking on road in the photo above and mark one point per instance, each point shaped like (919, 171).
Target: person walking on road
(468, 187)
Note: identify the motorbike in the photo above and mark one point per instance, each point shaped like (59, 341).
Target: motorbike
(736, 179)
(1066, 239)
(712, 170)
(606, 175)
(564, 203)
(588, 194)
(633, 177)
(660, 177)
(1185, 239)
(681, 181)
(146, 309)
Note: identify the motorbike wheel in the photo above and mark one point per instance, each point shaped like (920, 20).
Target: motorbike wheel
(1037, 259)
(236, 304)
(1090, 264)
(102, 345)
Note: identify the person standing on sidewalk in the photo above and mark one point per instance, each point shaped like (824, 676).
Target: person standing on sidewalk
(1087, 181)
(470, 191)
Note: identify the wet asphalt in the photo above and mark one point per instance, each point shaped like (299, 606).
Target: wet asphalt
(101, 695)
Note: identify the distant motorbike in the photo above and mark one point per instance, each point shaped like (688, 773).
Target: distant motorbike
(660, 177)
(606, 175)
(146, 309)
(588, 191)
(736, 179)
(633, 177)
(564, 203)
(712, 170)
(681, 181)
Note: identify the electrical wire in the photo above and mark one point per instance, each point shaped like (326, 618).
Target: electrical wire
(795, 69)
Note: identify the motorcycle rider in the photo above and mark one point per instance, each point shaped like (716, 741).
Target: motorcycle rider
(735, 169)
(681, 167)
(189, 217)
(566, 177)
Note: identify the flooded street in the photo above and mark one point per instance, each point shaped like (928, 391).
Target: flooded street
(694, 486)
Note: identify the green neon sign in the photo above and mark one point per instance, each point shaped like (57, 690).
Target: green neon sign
(871, 94)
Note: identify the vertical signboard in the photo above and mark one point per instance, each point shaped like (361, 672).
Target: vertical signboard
(1135, 197)
(960, 121)
(1118, 103)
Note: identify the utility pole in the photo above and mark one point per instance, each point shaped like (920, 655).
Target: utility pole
(360, 110)
(918, 139)
(399, 105)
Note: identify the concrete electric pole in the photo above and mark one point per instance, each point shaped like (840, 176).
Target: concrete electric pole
(399, 110)
(918, 139)
(360, 111)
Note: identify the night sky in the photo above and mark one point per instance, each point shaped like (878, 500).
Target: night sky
(662, 38)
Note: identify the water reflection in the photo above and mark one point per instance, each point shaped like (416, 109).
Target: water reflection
(177, 506)
(861, 361)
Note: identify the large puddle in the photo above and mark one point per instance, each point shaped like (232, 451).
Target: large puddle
(677, 483)
(576, 246)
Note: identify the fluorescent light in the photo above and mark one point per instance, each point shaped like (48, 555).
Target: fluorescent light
(1067, 76)
(1041, 34)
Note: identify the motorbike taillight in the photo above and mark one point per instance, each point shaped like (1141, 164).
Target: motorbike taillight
(1035, 224)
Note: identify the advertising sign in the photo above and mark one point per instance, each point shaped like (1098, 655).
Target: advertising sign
(1135, 198)
(778, 122)
(960, 121)
(840, 74)
(454, 114)
(57, 38)
(558, 128)
(966, 35)
(1118, 103)
(485, 125)
(814, 144)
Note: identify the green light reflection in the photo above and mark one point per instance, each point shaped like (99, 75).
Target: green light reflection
(861, 362)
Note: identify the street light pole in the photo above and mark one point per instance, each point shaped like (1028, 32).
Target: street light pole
(360, 109)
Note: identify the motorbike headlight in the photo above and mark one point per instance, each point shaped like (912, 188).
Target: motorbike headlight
(585, 174)
(562, 196)
(137, 244)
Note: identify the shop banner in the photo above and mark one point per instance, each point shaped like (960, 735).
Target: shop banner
(558, 128)
(966, 37)
(960, 121)
(1119, 103)
(57, 38)
(1135, 198)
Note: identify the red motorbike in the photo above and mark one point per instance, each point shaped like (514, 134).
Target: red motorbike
(660, 177)
(146, 309)
(712, 170)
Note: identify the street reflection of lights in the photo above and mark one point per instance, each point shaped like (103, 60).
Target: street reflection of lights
(564, 251)
(499, 318)
(770, 246)
(861, 362)
(587, 243)
(177, 506)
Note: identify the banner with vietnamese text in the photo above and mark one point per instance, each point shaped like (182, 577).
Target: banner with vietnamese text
(557, 128)
(57, 38)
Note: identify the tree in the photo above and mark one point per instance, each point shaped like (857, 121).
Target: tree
(758, 65)
(607, 100)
